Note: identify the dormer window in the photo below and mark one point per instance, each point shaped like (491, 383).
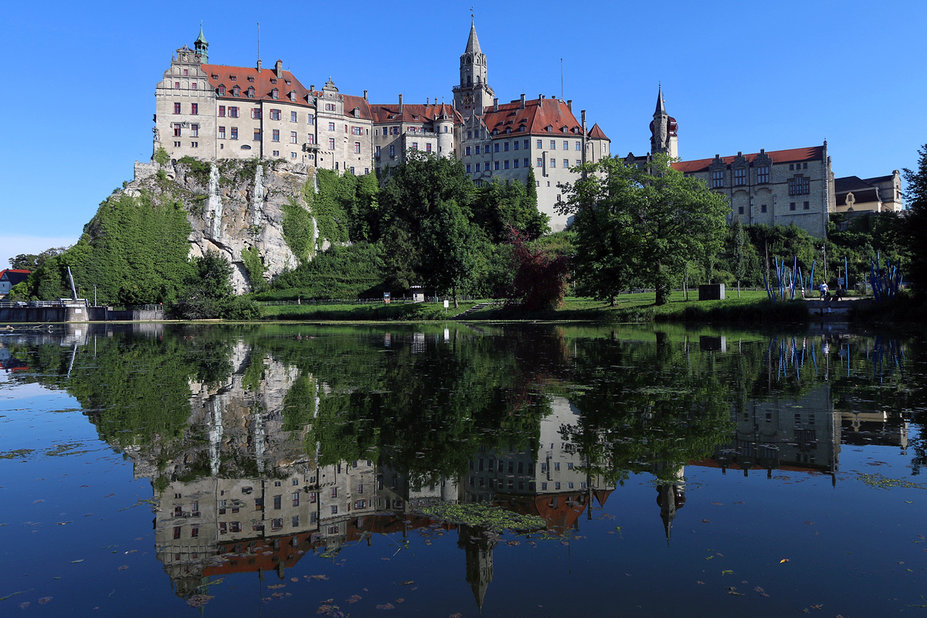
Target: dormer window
(356, 113)
(251, 92)
(221, 90)
(521, 129)
(250, 78)
(287, 82)
(274, 94)
(549, 128)
(292, 96)
(273, 80)
(236, 91)
(215, 76)
(233, 78)
(563, 129)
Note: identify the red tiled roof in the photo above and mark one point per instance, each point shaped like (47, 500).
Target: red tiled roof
(811, 153)
(413, 112)
(363, 107)
(536, 116)
(264, 82)
(596, 132)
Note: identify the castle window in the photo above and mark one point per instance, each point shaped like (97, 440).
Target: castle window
(740, 210)
(194, 130)
(221, 132)
(292, 116)
(515, 163)
(251, 92)
(257, 135)
(526, 162)
(740, 176)
(331, 126)
(256, 113)
(578, 145)
(236, 91)
(194, 85)
(521, 129)
(275, 153)
(233, 77)
(177, 130)
(469, 134)
(496, 147)
(762, 207)
(553, 162)
(310, 139)
(357, 130)
(222, 111)
(468, 168)
(496, 165)
(566, 145)
(477, 167)
(566, 163)
(233, 132)
(233, 112)
(176, 108)
(176, 85)
(506, 164)
(331, 143)
(799, 185)
(251, 78)
(553, 144)
(477, 149)
(807, 206)
(506, 147)
(467, 151)
(428, 147)
(329, 107)
(186, 72)
(791, 205)
(275, 135)
(762, 174)
(310, 119)
(717, 179)
(539, 163)
(293, 137)
(392, 150)
(275, 114)
(274, 94)
(357, 148)
(540, 144)
(515, 145)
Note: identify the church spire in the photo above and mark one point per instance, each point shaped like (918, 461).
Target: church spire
(663, 129)
(661, 108)
(473, 43)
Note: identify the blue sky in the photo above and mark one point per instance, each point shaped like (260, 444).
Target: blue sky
(737, 76)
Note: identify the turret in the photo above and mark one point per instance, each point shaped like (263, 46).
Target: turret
(201, 46)
(663, 130)
(473, 93)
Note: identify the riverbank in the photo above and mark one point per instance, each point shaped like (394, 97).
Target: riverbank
(751, 307)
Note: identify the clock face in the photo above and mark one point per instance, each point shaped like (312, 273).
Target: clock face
(468, 99)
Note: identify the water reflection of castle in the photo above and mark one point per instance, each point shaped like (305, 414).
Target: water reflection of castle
(246, 497)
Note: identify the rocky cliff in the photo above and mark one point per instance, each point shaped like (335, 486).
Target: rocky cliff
(234, 207)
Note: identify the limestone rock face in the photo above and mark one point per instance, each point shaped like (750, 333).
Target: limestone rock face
(234, 205)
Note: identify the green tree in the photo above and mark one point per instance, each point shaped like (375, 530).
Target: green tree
(208, 292)
(738, 257)
(640, 225)
(447, 242)
(915, 229)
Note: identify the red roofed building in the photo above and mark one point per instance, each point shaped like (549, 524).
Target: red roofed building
(779, 187)
(209, 112)
(10, 277)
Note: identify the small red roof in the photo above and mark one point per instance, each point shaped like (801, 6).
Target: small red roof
(596, 132)
(413, 112)
(811, 153)
(352, 102)
(535, 118)
(263, 81)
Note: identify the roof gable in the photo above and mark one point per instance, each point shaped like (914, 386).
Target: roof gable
(811, 153)
(537, 117)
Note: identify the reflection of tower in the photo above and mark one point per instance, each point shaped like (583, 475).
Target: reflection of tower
(671, 497)
(478, 545)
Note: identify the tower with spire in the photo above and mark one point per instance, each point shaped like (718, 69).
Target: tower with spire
(473, 93)
(664, 137)
(201, 46)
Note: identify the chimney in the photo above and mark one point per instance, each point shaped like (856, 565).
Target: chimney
(400, 103)
(570, 104)
(426, 100)
(523, 100)
(495, 104)
(540, 97)
(278, 68)
(311, 87)
(259, 64)
(582, 115)
(740, 153)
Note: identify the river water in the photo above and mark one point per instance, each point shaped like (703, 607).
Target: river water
(456, 470)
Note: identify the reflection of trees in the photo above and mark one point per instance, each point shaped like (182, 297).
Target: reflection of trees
(647, 406)
(425, 401)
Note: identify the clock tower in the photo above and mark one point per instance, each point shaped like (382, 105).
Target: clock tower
(473, 94)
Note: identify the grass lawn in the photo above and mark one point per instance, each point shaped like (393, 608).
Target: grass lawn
(751, 306)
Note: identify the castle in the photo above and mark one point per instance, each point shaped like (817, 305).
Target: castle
(210, 111)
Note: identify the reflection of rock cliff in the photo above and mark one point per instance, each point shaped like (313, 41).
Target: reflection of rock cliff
(234, 206)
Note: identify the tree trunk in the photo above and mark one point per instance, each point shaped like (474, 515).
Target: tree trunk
(454, 291)
(662, 293)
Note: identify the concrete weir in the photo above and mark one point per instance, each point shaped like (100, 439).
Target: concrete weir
(73, 312)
